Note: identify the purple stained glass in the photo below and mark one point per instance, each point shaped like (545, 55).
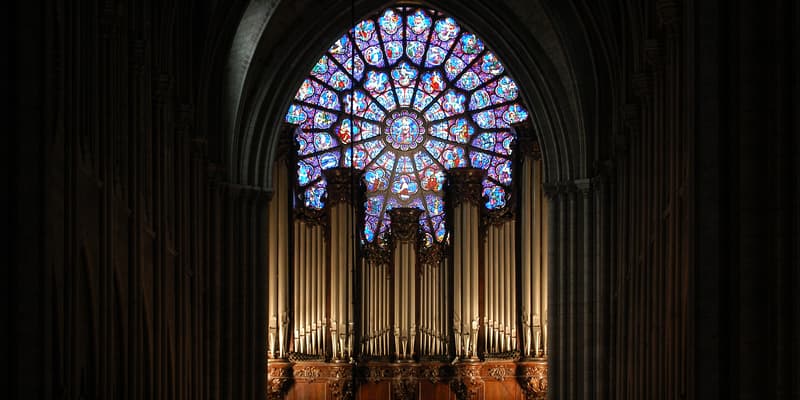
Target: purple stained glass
(405, 186)
(404, 96)
(432, 179)
(495, 196)
(314, 194)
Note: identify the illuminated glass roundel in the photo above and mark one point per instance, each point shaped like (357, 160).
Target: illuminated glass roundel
(405, 95)
(404, 130)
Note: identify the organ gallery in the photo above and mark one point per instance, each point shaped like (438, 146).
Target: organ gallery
(407, 255)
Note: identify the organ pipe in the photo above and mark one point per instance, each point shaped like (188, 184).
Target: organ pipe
(405, 234)
(341, 209)
(532, 228)
(464, 197)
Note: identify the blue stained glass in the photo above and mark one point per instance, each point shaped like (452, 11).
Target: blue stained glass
(394, 50)
(404, 96)
(501, 170)
(405, 186)
(433, 82)
(418, 22)
(404, 74)
(435, 204)
(339, 81)
(436, 55)
(453, 103)
(387, 100)
(404, 165)
(471, 44)
(435, 147)
(377, 82)
(491, 65)
(374, 205)
(313, 196)
(495, 197)
(390, 21)
(369, 229)
(329, 160)
(506, 89)
(376, 179)
(374, 113)
(306, 172)
(414, 51)
(296, 114)
(480, 99)
(322, 141)
(453, 157)
(435, 112)
(358, 101)
(446, 29)
(468, 81)
(373, 55)
(365, 30)
(485, 119)
(453, 67)
(480, 160)
(421, 91)
(515, 114)
(307, 89)
(432, 179)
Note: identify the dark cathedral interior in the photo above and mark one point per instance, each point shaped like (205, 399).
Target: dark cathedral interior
(454, 199)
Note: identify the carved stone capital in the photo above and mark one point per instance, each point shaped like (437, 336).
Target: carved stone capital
(405, 223)
(279, 379)
(342, 185)
(533, 379)
(465, 185)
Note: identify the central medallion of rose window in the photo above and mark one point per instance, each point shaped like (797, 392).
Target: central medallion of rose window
(404, 130)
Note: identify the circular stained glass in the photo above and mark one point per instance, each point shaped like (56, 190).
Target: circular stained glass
(404, 130)
(405, 95)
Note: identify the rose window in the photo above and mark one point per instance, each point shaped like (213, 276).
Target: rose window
(415, 96)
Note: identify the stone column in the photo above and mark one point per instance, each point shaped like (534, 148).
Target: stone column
(464, 200)
(342, 206)
(405, 237)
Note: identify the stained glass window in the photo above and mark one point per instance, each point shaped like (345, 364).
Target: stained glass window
(404, 96)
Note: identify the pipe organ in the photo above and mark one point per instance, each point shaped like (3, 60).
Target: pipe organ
(405, 235)
(500, 330)
(479, 297)
(434, 286)
(376, 330)
(465, 202)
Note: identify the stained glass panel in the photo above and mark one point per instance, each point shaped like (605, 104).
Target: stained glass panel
(415, 96)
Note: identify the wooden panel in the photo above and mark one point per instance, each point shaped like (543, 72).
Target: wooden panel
(435, 391)
(377, 390)
(307, 391)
